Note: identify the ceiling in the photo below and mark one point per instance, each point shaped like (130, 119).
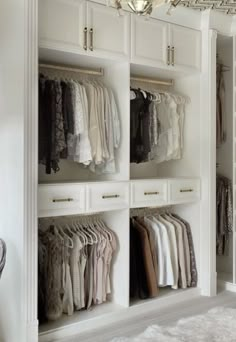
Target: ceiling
(225, 6)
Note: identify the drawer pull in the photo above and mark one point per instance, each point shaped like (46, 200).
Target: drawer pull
(186, 190)
(110, 196)
(56, 200)
(85, 38)
(151, 193)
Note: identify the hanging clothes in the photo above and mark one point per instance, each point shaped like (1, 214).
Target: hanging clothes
(3, 252)
(156, 126)
(224, 213)
(220, 106)
(161, 254)
(74, 265)
(78, 121)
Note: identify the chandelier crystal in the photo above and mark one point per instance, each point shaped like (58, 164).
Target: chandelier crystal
(145, 7)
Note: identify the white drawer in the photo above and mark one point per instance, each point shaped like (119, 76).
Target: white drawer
(148, 193)
(61, 199)
(107, 196)
(186, 190)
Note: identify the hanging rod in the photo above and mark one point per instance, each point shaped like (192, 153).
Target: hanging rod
(168, 83)
(96, 72)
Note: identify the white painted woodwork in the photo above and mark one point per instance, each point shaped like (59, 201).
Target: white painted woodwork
(61, 199)
(61, 24)
(186, 190)
(18, 65)
(111, 33)
(187, 47)
(149, 40)
(146, 193)
(107, 196)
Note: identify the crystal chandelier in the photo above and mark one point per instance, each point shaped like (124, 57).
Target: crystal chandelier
(145, 7)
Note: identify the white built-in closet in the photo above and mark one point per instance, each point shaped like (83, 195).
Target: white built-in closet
(148, 184)
(179, 49)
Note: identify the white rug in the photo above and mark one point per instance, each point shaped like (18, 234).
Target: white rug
(217, 325)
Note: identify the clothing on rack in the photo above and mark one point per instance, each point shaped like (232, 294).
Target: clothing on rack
(75, 258)
(220, 106)
(78, 121)
(156, 128)
(3, 252)
(224, 213)
(161, 254)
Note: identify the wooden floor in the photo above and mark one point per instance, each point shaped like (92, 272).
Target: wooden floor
(165, 316)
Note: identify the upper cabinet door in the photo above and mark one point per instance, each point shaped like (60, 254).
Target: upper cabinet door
(61, 24)
(108, 33)
(149, 41)
(187, 48)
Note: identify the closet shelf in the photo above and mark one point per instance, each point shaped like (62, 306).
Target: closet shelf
(109, 313)
(80, 320)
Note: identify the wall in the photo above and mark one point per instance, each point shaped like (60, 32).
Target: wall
(11, 170)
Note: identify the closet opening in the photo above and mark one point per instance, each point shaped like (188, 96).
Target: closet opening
(78, 286)
(178, 249)
(168, 150)
(225, 159)
(82, 137)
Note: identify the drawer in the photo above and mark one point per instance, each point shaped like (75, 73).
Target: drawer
(107, 196)
(61, 199)
(148, 193)
(186, 190)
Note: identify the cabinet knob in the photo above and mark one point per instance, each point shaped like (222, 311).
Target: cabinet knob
(85, 38)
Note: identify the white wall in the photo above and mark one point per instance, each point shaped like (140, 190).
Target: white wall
(11, 169)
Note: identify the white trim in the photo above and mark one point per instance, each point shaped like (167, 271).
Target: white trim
(227, 286)
(29, 300)
(208, 165)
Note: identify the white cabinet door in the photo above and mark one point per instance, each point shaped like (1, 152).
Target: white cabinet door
(110, 35)
(149, 41)
(61, 24)
(187, 47)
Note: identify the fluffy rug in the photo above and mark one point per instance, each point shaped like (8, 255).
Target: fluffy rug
(217, 325)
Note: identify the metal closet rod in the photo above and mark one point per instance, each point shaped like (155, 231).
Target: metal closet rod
(95, 72)
(152, 80)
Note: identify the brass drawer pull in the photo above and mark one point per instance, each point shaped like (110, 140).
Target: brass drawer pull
(85, 38)
(168, 55)
(172, 56)
(56, 200)
(91, 39)
(151, 193)
(110, 196)
(186, 190)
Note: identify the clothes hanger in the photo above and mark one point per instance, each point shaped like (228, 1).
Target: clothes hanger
(63, 234)
(90, 237)
(105, 228)
(95, 231)
(80, 233)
